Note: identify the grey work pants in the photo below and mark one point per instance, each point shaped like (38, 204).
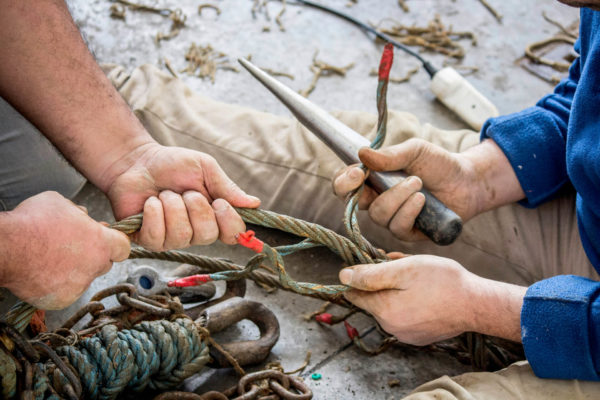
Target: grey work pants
(29, 165)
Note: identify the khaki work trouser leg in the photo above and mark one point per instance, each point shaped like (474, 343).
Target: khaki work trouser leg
(276, 159)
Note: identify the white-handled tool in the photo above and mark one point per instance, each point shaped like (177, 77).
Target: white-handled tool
(451, 89)
(456, 93)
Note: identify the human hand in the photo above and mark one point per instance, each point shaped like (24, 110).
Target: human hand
(451, 177)
(186, 198)
(424, 299)
(53, 250)
(419, 299)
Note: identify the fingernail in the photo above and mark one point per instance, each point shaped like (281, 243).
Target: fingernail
(354, 174)
(254, 198)
(413, 182)
(219, 205)
(152, 199)
(346, 276)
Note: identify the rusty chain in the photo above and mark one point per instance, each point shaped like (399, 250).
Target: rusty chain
(269, 384)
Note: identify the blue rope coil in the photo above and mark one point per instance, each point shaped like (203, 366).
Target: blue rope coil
(153, 355)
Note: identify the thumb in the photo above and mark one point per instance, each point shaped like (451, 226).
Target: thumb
(221, 187)
(393, 158)
(118, 243)
(373, 277)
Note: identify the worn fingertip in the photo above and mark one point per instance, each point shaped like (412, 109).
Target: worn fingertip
(419, 198)
(151, 201)
(356, 175)
(120, 245)
(370, 158)
(415, 182)
(345, 276)
(250, 201)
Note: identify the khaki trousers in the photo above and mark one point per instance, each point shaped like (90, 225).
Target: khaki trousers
(276, 159)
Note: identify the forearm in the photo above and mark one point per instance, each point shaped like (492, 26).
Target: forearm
(496, 181)
(49, 75)
(497, 309)
(6, 251)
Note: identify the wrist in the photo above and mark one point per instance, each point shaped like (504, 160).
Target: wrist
(494, 180)
(121, 161)
(496, 308)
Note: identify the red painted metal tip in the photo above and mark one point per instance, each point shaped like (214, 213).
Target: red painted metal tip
(350, 330)
(193, 280)
(324, 318)
(249, 240)
(387, 58)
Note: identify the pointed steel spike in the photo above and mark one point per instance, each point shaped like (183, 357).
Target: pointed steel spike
(344, 141)
(438, 222)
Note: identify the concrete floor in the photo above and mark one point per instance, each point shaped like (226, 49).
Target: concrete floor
(346, 372)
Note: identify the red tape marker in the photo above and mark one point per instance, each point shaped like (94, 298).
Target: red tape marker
(324, 318)
(387, 58)
(350, 330)
(193, 280)
(249, 240)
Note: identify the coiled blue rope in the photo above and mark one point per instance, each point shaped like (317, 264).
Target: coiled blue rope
(154, 355)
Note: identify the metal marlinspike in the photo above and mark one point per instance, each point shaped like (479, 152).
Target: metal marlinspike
(344, 141)
(438, 222)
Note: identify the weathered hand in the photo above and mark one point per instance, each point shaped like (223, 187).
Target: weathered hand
(451, 177)
(186, 198)
(53, 250)
(418, 299)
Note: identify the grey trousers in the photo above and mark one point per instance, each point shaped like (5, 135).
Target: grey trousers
(29, 163)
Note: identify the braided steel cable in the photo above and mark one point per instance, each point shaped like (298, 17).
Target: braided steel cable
(220, 265)
(353, 250)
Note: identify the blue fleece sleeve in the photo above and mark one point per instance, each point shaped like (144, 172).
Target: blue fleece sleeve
(560, 328)
(534, 140)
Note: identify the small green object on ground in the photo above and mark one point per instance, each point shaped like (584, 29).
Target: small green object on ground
(315, 377)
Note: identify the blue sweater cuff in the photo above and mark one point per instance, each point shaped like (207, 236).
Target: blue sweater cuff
(535, 152)
(559, 327)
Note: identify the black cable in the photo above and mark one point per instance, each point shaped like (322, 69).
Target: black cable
(431, 70)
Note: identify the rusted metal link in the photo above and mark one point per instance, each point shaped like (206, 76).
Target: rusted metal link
(66, 370)
(295, 383)
(254, 377)
(252, 394)
(97, 325)
(97, 310)
(141, 305)
(230, 311)
(191, 396)
(232, 289)
(93, 307)
(110, 312)
(19, 341)
(27, 392)
(121, 288)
